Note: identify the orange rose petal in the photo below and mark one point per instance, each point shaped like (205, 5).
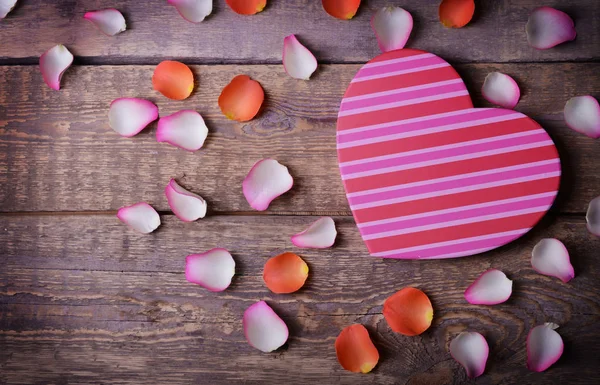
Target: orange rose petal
(456, 13)
(355, 350)
(247, 7)
(408, 311)
(173, 79)
(241, 99)
(341, 9)
(285, 273)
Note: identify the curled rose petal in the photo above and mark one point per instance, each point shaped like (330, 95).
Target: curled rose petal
(408, 311)
(355, 350)
(212, 270)
(550, 257)
(392, 26)
(109, 21)
(129, 116)
(6, 6)
(285, 273)
(247, 7)
(548, 27)
(53, 63)
(544, 347)
(186, 205)
(267, 180)
(185, 129)
(241, 99)
(319, 235)
(592, 217)
(141, 217)
(173, 79)
(456, 13)
(582, 114)
(501, 89)
(341, 9)
(491, 288)
(298, 61)
(263, 328)
(471, 350)
(193, 10)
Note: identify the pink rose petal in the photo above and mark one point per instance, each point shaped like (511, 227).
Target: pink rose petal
(184, 129)
(53, 63)
(193, 11)
(186, 205)
(129, 116)
(593, 217)
(471, 350)
(392, 26)
(548, 27)
(582, 114)
(298, 61)
(212, 270)
(6, 6)
(319, 235)
(140, 217)
(501, 89)
(491, 288)
(263, 328)
(544, 347)
(109, 21)
(267, 180)
(550, 257)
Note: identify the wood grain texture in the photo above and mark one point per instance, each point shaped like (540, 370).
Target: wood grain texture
(95, 302)
(156, 31)
(57, 152)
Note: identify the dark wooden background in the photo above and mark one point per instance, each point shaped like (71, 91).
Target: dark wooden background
(85, 300)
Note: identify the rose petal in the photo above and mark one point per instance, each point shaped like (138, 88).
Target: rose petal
(6, 6)
(212, 270)
(140, 217)
(247, 7)
(109, 21)
(471, 350)
(263, 328)
(544, 347)
(193, 10)
(582, 114)
(241, 99)
(456, 13)
(319, 235)
(186, 205)
(491, 288)
(341, 9)
(548, 27)
(550, 257)
(298, 61)
(267, 180)
(593, 217)
(501, 89)
(129, 116)
(355, 350)
(173, 79)
(185, 129)
(53, 63)
(285, 273)
(392, 27)
(408, 311)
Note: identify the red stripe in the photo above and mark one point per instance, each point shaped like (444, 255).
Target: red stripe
(457, 200)
(454, 232)
(397, 55)
(450, 169)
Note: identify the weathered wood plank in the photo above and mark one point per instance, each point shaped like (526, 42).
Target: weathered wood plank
(83, 292)
(156, 31)
(57, 152)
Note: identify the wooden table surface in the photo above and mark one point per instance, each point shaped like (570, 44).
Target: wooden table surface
(85, 300)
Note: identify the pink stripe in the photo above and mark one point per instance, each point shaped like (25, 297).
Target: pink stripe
(416, 56)
(398, 66)
(402, 96)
